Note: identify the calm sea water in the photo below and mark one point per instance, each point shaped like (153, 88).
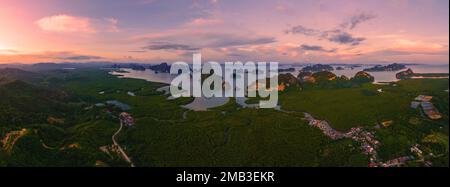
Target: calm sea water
(148, 75)
(385, 76)
(389, 76)
(202, 104)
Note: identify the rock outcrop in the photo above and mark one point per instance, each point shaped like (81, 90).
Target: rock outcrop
(363, 77)
(306, 77)
(324, 76)
(160, 68)
(317, 68)
(345, 78)
(288, 80)
(390, 67)
(405, 74)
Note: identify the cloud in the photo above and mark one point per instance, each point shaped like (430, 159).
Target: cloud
(8, 51)
(399, 52)
(49, 56)
(146, 2)
(169, 46)
(405, 47)
(79, 57)
(285, 10)
(195, 40)
(316, 48)
(341, 37)
(336, 36)
(303, 30)
(65, 55)
(232, 40)
(137, 51)
(204, 21)
(72, 24)
(357, 19)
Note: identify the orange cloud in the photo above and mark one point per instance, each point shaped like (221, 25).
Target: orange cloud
(48, 56)
(418, 46)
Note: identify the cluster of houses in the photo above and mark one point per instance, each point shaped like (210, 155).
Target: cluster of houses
(325, 127)
(431, 111)
(111, 150)
(11, 138)
(397, 161)
(127, 119)
(417, 150)
(402, 160)
(369, 144)
(427, 107)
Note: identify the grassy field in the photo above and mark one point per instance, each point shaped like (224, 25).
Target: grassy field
(240, 138)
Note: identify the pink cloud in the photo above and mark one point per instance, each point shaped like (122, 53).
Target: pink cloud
(48, 56)
(203, 21)
(68, 23)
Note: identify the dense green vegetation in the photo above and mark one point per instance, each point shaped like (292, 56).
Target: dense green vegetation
(67, 129)
(237, 138)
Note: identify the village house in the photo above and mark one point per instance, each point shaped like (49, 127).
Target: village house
(431, 111)
(427, 107)
(397, 162)
(424, 98)
(415, 104)
(126, 119)
(416, 149)
(387, 123)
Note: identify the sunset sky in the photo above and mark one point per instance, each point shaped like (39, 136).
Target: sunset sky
(287, 31)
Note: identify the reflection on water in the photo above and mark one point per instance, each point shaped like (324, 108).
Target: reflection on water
(203, 103)
(148, 75)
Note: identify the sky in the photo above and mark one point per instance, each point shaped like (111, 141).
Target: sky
(285, 31)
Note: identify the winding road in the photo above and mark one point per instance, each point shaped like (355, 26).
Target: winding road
(124, 155)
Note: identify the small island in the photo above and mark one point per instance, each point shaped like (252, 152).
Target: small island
(287, 70)
(317, 68)
(160, 68)
(121, 71)
(136, 67)
(408, 74)
(390, 67)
